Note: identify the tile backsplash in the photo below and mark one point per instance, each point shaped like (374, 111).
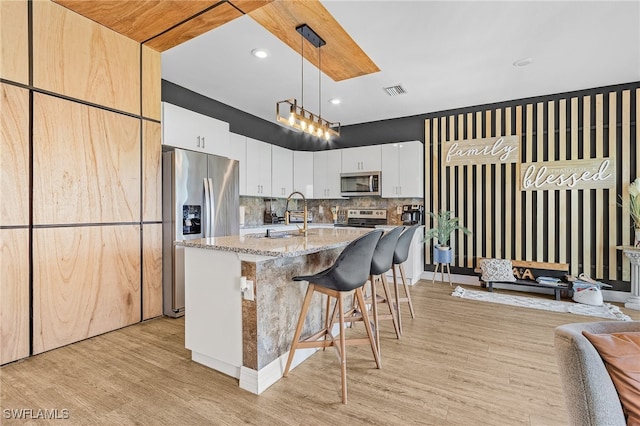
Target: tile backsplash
(254, 207)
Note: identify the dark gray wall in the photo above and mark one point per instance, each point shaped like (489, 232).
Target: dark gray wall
(372, 133)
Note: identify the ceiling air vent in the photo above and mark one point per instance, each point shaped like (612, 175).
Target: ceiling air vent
(395, 90)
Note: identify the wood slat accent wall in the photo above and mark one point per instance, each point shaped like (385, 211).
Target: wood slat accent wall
(580, 227)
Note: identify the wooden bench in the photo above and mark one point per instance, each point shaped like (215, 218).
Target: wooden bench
(526, 273)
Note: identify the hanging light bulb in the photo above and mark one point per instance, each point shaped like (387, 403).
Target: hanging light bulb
(298, 117)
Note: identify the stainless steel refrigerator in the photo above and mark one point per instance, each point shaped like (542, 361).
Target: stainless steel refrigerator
(200, 199)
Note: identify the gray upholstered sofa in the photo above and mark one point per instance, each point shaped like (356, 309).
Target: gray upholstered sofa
(590, 395)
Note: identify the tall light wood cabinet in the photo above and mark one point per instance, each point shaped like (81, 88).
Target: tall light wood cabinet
(14, 211)
(94, 236)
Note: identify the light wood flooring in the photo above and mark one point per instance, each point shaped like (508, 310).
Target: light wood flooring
(460, 362)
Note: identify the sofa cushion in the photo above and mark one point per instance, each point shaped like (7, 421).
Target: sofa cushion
(621, 355)
(495, 270)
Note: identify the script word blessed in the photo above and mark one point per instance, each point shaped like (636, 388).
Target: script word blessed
(572, 174)
(483, 151)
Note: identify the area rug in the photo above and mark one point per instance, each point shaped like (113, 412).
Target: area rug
(607, 310)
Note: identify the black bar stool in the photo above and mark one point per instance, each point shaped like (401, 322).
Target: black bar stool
(346, 276)
(399, 257)
(381, 263)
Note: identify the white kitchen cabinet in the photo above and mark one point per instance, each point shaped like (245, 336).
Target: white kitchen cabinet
(238, 151)
(281, 171)
(402, 170)
(258, 168)
(303, 172)
(182, 128)
(361, 159)
(326, 174)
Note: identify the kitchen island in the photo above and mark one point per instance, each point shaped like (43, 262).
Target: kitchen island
(247, 334)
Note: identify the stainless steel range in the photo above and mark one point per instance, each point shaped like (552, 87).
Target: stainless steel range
(365, 218)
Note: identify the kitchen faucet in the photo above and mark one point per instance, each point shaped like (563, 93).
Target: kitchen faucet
(304, 230)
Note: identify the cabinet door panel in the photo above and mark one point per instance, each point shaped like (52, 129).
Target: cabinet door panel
(86, 164)
(152, 271)
(303, 173)
(238, 151)
(152, 171)
(86, 281)
(390, 170)
(411, 175)
(258, 168)
(14, 288)
(14, 155)
(14, 65)
(151, 82)
(77, 57)
(281, 171)
(364, 158)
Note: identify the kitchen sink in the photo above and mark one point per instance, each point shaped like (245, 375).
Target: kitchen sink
(277, 235)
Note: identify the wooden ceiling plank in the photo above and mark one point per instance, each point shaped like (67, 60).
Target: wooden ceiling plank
(247, 6)
(205, 22)
(342, 58)
(139, 20)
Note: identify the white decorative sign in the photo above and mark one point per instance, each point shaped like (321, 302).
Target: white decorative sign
(503, 149)
(594, 173)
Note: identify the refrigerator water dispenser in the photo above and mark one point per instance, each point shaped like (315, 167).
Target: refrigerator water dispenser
(191, 219)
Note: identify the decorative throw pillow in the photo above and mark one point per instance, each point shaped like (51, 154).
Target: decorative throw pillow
(621, 355)
(494, 270)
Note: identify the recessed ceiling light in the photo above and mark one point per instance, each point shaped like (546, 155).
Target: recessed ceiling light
(523, 62)
(260, 53)
(335, 101)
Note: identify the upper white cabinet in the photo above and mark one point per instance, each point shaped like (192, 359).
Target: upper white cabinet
(238, 151)
(402, 170)
(303, 172)
(258, 168)
(186, 129)
(326, 174)
(360, 159)
(281, 171)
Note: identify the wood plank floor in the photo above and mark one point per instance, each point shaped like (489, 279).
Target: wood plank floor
(461, 362)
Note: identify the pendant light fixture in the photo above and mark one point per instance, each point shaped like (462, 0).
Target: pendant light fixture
(296, 116)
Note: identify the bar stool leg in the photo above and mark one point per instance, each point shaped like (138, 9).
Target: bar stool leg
(406, 289)
(387, 295)
(374, 308)
(397, 294)
(343, 350)
(367, 326)
(296, 335)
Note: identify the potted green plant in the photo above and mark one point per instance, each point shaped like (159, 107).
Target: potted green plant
(446, 224)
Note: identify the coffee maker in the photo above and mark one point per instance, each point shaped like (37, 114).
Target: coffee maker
(412, 214)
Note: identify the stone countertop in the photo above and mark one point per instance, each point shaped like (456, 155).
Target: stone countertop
(291, 244)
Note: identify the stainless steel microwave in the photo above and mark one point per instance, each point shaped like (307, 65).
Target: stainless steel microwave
(359, 184)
